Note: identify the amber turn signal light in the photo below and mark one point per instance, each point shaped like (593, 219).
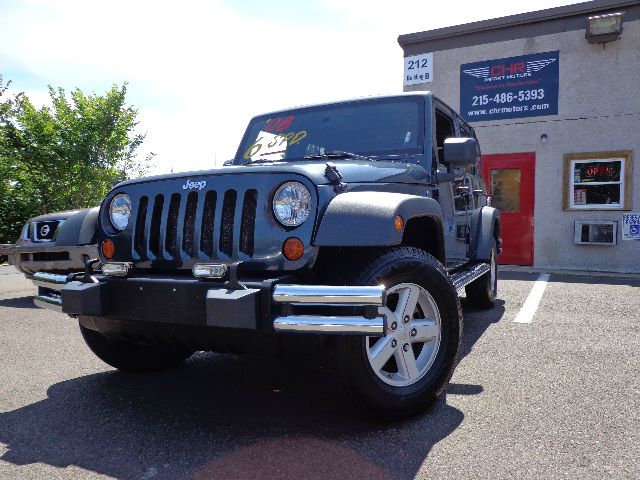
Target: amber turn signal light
(293, 249)
(399, 223)
(108, 249)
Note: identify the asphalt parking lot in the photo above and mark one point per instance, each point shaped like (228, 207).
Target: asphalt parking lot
(555, 397)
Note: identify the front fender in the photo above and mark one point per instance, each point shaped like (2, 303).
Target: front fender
(485, 228)
(367, 218)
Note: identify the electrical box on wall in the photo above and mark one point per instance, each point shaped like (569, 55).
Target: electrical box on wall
(595, 232)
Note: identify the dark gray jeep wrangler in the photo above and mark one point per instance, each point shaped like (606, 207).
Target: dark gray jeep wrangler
(349, 226)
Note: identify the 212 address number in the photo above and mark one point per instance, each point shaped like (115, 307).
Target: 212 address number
(420, 63)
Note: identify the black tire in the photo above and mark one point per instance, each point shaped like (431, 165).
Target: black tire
(131, 357)
(482, 293)
(347, 359)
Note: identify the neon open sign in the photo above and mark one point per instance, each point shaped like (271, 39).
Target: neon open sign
(593, 171)
(597, 172)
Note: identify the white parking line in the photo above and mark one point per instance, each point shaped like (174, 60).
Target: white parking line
(528, 310)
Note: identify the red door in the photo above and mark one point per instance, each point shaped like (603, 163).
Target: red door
(510, 178)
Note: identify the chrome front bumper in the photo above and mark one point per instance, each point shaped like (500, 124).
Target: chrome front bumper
(365, 299)
(330, 296)
(49, 287)
(38, 257)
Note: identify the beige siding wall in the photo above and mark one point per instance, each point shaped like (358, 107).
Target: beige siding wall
(599, 110)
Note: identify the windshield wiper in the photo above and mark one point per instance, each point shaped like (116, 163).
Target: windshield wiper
(336, 154)
(405, 157)
(262, 160)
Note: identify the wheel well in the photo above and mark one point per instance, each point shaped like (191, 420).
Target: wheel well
(425, 233)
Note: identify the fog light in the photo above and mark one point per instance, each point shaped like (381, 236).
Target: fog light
(108, 249)
(209, 270)
(116, 269)
(293, 249)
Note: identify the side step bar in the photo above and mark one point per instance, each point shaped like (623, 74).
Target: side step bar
(465, 277)
(49, 286)
(330, 296)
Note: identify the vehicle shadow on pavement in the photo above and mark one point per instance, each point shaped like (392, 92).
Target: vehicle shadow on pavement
(20, 302)
(476, 323)
(225, 416)
(219, 416)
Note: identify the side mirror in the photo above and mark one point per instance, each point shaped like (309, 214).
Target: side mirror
(461, 152)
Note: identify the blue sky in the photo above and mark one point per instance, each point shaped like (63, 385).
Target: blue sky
(199, 70)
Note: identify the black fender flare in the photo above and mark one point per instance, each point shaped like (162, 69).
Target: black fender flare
(365, 219)
(485, 228)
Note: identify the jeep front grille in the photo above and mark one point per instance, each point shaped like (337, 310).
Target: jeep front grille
(208, 216)
(195, 225)
(188, 242)
(248, 221)
(228, 211)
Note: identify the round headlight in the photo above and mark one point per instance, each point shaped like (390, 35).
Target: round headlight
(292, 204)
(120, 211)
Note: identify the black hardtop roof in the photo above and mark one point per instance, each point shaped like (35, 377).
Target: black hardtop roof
(349, 100)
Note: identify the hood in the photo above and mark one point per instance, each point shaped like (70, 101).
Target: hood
(353, 171)
(64, 215)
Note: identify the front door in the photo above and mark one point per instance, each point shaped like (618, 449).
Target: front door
(510, 178)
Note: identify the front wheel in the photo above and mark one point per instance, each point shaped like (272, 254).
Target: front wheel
(133, 357)
(404, 371)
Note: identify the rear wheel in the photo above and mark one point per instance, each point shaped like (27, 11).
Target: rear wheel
(482, 292)
(133, 357)
(404, 371)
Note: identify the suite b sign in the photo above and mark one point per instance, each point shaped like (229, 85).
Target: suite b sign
(515, 87)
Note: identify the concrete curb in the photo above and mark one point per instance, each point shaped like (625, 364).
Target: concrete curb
(555, 271)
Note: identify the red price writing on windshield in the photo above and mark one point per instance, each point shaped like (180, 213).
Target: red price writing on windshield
(278, 124)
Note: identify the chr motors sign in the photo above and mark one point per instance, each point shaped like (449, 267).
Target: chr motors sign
(515, 87)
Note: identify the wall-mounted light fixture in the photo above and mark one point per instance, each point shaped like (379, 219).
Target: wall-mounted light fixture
(544, 138)
(604, 28)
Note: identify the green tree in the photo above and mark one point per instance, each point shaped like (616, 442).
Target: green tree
(65, 156)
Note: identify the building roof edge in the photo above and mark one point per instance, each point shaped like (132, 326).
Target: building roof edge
(576, 9)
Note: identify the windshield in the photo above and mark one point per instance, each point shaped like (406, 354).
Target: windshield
(379, 127)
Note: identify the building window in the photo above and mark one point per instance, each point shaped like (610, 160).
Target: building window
(597, 181)
(505, 189)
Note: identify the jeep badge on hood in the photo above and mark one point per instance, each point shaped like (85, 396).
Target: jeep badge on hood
(197, 185)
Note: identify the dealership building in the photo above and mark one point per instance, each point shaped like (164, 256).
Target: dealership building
(554, 98)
